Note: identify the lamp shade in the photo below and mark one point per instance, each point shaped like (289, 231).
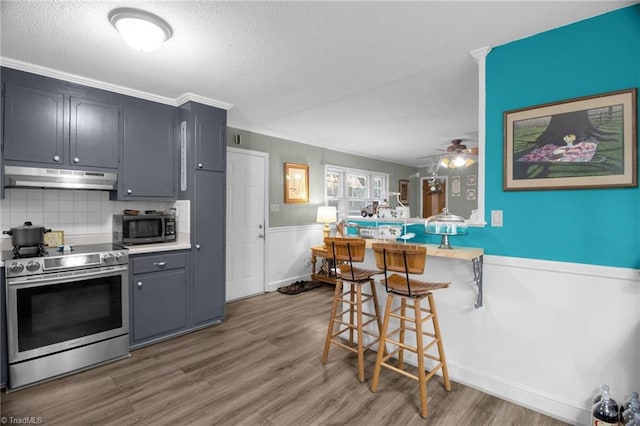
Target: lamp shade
(326, 214)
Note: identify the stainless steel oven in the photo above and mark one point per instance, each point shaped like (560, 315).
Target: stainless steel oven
(66, 311)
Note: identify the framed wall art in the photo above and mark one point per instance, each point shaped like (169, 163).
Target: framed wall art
(587, 142)
(296, 183)
(403, 189)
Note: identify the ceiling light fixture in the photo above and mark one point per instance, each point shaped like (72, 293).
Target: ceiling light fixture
(141, 30)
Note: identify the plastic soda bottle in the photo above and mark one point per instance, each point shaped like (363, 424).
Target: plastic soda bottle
(605, 412)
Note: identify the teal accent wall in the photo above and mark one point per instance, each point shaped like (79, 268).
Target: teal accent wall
(592, 226)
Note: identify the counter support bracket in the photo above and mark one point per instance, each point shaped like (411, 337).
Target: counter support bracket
(477, 278)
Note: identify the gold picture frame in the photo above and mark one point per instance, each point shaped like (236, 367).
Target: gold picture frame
(587, 142)
(296, 183)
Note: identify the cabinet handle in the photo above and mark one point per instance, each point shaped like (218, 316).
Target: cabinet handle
(139, 284)
(129, 191)
(56, 158)
(76, 160)
(198, 246)
(160, 264)
(199, 165)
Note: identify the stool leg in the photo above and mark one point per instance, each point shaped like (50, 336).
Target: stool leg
(403, 314)
(360, 333)
(334, 308)
(376, 308)
(383, 339)
(352, 296)
(436, 329)
(422, 380)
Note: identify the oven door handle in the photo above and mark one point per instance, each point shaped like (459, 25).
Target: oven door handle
(65, 277)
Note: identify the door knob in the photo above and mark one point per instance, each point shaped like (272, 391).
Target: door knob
(56, 158)
(198, 246)
(139, 284)
(199, 165)
(129, 191)
(76, 160)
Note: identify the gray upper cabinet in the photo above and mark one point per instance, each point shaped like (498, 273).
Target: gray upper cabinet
(148, 167)
(94, 133)
(33, 125)
(57, 123)
(210, 144)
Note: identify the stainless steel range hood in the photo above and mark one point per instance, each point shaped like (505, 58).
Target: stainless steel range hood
(34, 177)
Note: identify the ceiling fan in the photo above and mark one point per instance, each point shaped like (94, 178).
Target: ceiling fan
(455, 155)
(457, 147)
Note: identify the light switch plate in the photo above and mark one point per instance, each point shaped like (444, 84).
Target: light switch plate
(496, 218)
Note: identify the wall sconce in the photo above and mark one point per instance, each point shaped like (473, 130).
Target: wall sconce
(141, 30)
(326, 215)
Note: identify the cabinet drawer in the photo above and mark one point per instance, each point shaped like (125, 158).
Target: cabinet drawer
(158, 262)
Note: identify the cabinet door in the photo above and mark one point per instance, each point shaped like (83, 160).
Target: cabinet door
(159, 304)
(209, 247)
(4, 360)
(148, 162)
(33, 125)
(94, 133)
(210, 139)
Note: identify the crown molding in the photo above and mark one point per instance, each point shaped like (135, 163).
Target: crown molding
(192, 97)
(480, 53)
(73, 78)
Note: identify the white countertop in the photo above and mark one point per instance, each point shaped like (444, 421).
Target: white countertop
(152, 248)
(182, 243)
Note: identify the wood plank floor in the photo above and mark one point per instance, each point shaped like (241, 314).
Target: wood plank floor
(260, 367)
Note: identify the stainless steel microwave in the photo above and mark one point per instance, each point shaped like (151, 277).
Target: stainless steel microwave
(144, 228)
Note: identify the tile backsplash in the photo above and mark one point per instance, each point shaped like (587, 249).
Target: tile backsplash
(76, 212)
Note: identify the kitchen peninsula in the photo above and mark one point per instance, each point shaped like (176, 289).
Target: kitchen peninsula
(460, 253)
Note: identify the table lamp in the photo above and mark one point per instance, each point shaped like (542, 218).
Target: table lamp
(326, 215)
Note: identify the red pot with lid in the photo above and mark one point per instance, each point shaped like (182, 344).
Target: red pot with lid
(27, 235)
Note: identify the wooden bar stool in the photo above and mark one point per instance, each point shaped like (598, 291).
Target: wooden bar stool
(409, 259)
(345, 252)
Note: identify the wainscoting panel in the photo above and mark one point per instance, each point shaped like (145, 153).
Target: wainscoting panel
(549, 333)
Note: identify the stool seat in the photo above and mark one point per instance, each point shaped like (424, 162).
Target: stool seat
(398, 284)
(346, 251)
(355, 274)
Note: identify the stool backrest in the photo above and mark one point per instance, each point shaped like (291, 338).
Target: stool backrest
(405, 258)
(346, 250)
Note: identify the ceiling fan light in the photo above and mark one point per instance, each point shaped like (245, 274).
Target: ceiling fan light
(468, 162)
(141, 30)
(459, 161)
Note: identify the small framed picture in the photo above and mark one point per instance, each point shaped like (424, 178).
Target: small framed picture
(296, 183)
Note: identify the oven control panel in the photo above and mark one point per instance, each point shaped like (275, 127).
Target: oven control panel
(59, 262)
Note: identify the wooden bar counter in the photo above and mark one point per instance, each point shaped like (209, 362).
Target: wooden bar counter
(473, 254)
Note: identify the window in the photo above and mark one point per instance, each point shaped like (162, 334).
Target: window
(351, 190)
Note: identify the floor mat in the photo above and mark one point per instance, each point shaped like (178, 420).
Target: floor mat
(299, 286)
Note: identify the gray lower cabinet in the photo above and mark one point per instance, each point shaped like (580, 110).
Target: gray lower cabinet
(208, 235)
(159, 296)
(148, 167)
(4, 360)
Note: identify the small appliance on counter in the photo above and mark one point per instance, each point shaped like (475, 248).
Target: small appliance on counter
(131, 229)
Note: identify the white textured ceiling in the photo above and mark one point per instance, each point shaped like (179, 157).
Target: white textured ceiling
(389, 80)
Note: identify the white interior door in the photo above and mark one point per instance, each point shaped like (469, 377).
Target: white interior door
(247, 188)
